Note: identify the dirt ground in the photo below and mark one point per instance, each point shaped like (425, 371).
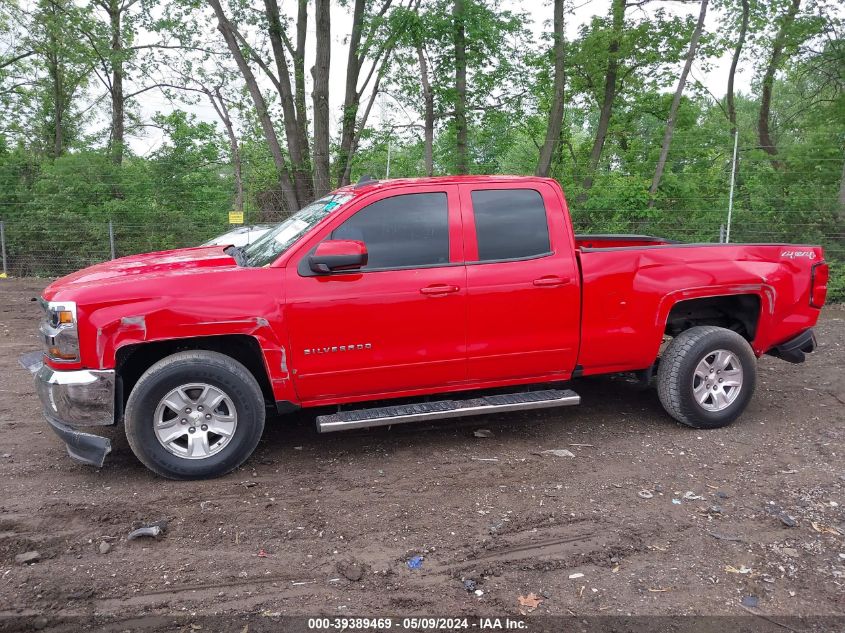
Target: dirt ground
(325, 525)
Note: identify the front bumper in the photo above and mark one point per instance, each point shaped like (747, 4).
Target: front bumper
(84, 448)
(74, 399)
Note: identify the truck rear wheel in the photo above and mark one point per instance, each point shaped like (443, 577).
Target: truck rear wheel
(706, 377)
(195, 414)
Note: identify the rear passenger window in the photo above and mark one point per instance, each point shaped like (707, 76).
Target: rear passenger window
(510, 224)
(402, 231)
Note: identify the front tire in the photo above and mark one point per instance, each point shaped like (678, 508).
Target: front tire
(194, 415)
(706, 377)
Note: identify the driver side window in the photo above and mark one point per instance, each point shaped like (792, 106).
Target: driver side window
(404, 231)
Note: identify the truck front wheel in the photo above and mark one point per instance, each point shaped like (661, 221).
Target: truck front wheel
(195, 414)
(706, 377)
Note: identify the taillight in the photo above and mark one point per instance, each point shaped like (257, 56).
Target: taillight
(818, 284)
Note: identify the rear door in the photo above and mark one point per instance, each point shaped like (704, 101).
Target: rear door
(399, 324)
(523, 298)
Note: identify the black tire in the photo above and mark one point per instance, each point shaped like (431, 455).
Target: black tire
(183, 368)
(676, 376)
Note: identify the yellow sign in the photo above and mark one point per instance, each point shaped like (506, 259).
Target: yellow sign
(236, 217)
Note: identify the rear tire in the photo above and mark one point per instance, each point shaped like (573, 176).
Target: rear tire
(707, 377)
(195, 414)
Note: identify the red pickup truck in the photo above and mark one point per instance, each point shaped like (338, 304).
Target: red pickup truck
(399, 291)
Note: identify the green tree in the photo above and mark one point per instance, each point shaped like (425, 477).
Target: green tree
(43, 74)
(425, 80)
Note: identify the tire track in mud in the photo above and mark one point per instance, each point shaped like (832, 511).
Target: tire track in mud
(256, 590)
(569, 545)
(557, 546)
(550, 547)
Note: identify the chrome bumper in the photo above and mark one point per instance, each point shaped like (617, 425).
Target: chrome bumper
(78, 398)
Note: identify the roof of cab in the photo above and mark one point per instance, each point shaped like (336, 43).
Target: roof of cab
(370, 185)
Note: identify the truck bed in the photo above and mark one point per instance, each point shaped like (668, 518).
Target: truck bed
(618, 240)
(631, 282)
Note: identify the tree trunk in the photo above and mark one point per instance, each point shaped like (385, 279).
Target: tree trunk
(293, 136)
(222, 110)
(842, 196)
(360, 47)
(555, 123)
(58, 133)
(299, 80)
(428, 101)
(350, 99)
(55, 72)
(458, 14)
(117, 101)
(618, 23)
(226, 28)
(676, 102)
(320, 96)
(766, 142)
(237, 170)
(54, 136)
(731, 97)
(362, 124)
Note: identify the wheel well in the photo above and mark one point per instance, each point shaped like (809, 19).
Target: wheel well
(133, 360)
(739, 313)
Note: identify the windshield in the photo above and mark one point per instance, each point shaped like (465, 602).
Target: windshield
(265, 250)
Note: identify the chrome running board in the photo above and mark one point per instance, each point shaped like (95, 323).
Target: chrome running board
(443, 409)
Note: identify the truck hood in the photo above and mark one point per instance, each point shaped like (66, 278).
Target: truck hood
(175, 262)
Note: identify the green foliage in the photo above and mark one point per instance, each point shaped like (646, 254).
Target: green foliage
(497, 44)
(57, 203)
(42, 73)
(57, 212)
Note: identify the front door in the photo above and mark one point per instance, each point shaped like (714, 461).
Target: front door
(398, 324)
(523, 301)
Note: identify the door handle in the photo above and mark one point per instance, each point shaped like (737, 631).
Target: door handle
(551, 281)
(439, 289)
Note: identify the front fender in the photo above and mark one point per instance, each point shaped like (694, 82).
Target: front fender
(227, 307)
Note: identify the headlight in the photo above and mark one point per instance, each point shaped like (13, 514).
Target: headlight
(59, 330)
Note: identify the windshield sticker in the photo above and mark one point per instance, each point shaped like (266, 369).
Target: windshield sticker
(290, 231)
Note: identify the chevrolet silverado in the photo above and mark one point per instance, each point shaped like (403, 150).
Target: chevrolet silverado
(381, 297)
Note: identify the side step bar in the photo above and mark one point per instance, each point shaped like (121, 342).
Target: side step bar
(384, 416)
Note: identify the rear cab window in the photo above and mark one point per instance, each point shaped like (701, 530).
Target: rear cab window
(510, 224)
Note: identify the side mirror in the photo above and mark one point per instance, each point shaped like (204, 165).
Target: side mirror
(338, 255)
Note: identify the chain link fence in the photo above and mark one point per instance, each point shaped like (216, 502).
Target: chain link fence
(43, 251)
(30, 250)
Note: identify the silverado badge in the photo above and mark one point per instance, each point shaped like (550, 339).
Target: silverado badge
(337, 348)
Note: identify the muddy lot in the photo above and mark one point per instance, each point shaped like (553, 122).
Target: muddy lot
(325, 525)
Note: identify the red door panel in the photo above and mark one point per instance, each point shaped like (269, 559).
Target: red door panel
(523, 314)
(378, 332)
